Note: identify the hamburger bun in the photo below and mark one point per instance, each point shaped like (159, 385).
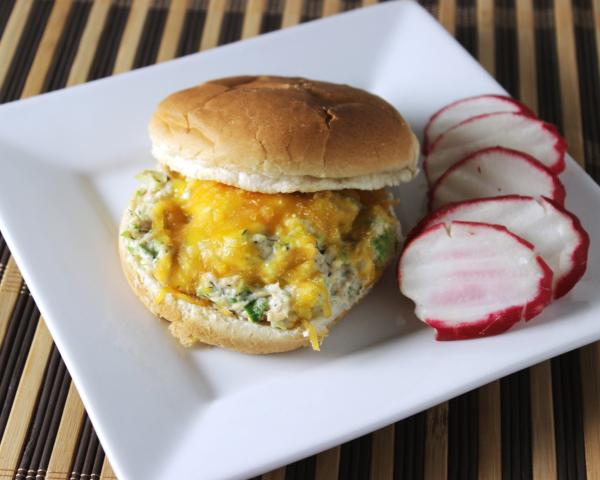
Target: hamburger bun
(232, 249)
(277, 134)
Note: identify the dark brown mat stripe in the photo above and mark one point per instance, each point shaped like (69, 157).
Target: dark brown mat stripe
(108, 45)
(94, 456)
(89, 457)
(66, 49)
(430, 5)
(6, 7)
(566, 386)
(355, 459)
(463, 436)
(350, 5)
(515, 394)
(312, 10)
(26, 49)
(466, 25)
(44, 425)
(409, 447)
(193, 28)
(302, 470)
(4, 255)
(566, 383)
(271, 18)
(231, 28)
(56, 415)
(507, 70)
(151, 35)
(548, 85)
(589, 84)
(516, 426)
(14, 349)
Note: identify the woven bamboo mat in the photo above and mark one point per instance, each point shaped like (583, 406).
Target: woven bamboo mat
(540, 423)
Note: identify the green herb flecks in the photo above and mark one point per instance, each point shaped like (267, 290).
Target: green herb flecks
(384, 245)
(256, 309)
(149, 249)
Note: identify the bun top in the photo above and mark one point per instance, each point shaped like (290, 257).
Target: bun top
(279, 134)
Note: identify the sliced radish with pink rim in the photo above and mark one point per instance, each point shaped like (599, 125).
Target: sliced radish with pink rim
(511, 130)
(556, 234)
(494, 172)
(461, 110)
(472, 280)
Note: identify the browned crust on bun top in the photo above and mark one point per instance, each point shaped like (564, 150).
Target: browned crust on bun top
(280, 127)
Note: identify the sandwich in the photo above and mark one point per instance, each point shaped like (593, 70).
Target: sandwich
(268, 216)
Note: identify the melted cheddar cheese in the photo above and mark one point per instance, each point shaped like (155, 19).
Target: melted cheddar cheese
(264, 239)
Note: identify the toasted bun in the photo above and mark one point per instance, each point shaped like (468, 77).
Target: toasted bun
(192, 323)
(279, 134)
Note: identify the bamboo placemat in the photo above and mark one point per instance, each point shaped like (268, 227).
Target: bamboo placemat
(540, 423)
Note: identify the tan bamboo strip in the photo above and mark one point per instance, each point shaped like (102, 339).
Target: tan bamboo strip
(490, 442)
(590, 361)
(436, 443)
(543, 448)
(46, 48)
(213, 24)
(131, 36)
(526, 48)
(172, 32)
(569, 84)
(25, 398)
(65, 443)
(12, 34)
(328, 464)
(89, 42)
(9, 292)
(486, 52)
(382, 456)
(447, 15)
(369, 2)
(277, 474)
(253, 18)
(331, 7)
(291, 13)
(107, 471)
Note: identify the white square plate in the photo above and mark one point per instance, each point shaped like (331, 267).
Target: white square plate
(67, 161)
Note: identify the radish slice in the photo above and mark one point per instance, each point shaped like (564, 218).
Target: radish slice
(472, 280)
(510, 130)
(494, 172)
(466, 108)
(556, 233)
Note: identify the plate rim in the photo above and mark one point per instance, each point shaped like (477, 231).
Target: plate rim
(18, 253)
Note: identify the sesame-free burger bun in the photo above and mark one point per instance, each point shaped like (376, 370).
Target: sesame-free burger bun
(279, 134)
